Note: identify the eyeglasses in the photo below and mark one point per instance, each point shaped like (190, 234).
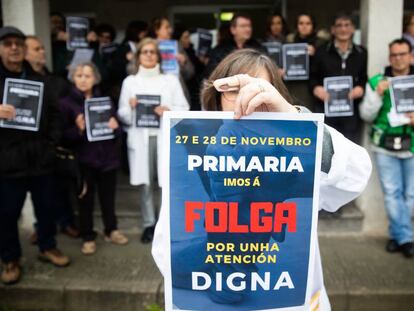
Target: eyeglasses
(150, 52)
(395, 55)
(9, 43)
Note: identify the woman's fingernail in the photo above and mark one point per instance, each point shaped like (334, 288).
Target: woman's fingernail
(237, 114)
(226, 84)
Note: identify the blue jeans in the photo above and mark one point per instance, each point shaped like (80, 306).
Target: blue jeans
(397, 181)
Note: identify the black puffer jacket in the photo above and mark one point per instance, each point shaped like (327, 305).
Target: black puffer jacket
(27, 153)
(328, 63)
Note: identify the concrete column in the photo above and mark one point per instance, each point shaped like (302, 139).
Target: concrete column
(381, 22)
(32, 17)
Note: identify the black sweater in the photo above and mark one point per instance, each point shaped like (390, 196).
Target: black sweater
(328, 63)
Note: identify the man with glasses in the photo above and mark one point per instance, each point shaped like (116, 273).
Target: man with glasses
(26, 164)
(340, 57)
(395, 164)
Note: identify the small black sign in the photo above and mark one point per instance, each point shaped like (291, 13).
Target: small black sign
(402, 93)
(296, 61)
(145, 114)
(274, 50)
(98, 111)
(77, 29)
(27, 97)
(339, 104)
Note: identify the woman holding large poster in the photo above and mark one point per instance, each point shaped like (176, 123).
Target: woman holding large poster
(244, 82)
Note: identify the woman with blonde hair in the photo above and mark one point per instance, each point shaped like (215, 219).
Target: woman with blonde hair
(144, 143)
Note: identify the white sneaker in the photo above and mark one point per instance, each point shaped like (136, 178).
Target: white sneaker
(116, 237)
(89, 248)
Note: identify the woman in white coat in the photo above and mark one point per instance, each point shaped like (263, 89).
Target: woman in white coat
(143, 143)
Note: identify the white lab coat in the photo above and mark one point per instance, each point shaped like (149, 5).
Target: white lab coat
(349, 173)
(147, 82)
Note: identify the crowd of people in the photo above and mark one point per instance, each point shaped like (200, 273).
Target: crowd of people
(62, 169)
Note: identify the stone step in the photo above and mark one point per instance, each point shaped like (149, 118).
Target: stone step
(347, 220)
(359, 276)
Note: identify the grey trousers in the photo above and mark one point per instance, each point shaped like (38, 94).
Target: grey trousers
(150, 195)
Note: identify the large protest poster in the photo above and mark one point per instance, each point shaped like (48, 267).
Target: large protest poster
(402, 93)
(145, 115)
(241, 199)
(27, 97)
(296, 61)
(169, 52)
(338, 104)
(274, 50)
(98, 111)
(77, 29)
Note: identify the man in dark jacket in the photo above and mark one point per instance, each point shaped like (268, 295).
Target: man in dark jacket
(241, 30)
(26, 164)
(64, 186)
(340, 57)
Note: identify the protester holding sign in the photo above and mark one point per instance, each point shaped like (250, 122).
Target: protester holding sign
(305, 33)
(144, 145)
(340, 57)
(98, 159)
(76, 37)
(26, 160)
(345, 170)
(161, 30)
(276, 32)
(276, 28)
(392, 139)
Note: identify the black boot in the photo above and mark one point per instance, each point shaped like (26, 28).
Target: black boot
(148, 235)
(407, 249)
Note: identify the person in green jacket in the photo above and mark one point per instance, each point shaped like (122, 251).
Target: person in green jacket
(392, 138)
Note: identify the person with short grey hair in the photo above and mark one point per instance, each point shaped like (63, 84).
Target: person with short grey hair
(98, 160)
